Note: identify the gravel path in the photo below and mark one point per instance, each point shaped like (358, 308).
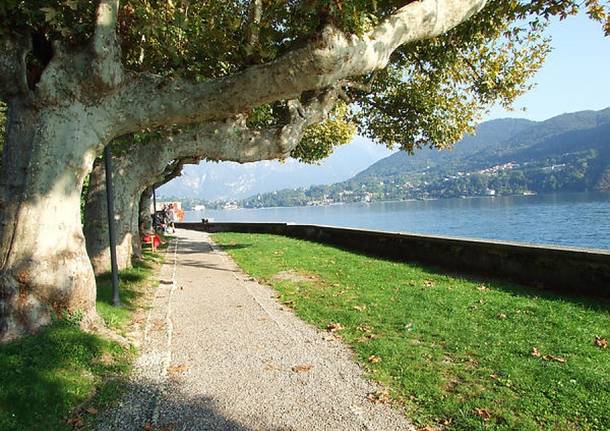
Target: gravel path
(240, 361)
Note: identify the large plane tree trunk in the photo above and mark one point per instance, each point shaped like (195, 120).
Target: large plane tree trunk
(44, 266)
(96, 221)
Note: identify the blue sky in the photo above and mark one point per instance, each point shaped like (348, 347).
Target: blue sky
(575, 76)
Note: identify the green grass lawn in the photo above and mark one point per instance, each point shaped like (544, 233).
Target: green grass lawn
(456, 353)
(44, 377)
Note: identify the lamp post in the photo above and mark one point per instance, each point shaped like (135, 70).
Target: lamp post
(116, 300)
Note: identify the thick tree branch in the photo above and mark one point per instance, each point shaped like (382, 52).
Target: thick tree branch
(149, 101)
(255, 15)
(13, 71)
(106, 66)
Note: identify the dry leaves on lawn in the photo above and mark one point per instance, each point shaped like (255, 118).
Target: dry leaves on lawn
(601, 342)
(334, 327)
(428, 283)
(302, 368)
(535, 352)
(554, 358)
(483, 413)
(359, 307)
(374, 359)
(380, 396)
(91, 410)
(365, 328)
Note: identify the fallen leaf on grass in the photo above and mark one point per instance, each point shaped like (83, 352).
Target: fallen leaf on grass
(428, 283)
(359, 307)
(501, 316)
(379, 397)
(409, 327)
(428, 428)
(302, 368)
(535, 352)
(483, 288)
(76, 422)
(483, 413)
(554, 358)
(177, 368)
(601, 342)
(374, 359)
(334, 327)
(364, 328)
(447, 422)
(91, 410)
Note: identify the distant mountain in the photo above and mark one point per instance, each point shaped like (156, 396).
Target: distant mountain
(231, 181)
(570, 152)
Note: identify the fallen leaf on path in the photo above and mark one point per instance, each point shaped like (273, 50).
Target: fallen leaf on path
(272, 366)
(601, 342)
(483, 413)
(334, 327)
(177, 368)
(374, 359)
(554, 358)
(91, 410)
(302, 368)
(535, 352)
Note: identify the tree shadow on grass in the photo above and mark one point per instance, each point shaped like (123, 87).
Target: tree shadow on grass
(43, 377)
(128, 281)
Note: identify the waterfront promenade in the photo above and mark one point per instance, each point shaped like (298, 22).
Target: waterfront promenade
(221, 353)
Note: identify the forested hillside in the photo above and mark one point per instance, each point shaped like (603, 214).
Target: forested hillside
(570, 152)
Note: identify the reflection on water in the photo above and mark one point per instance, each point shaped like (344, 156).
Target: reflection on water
(575, 219)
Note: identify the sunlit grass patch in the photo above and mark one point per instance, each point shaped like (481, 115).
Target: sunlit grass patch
(457, 353)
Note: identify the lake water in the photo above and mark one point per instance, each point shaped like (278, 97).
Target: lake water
(575, 219)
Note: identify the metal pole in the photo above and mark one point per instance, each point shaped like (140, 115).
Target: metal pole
(154, 209)
(116, 300)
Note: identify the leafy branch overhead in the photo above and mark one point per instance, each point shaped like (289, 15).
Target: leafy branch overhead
(431, 94)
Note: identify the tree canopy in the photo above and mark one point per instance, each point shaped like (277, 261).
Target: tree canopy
(430, 94)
